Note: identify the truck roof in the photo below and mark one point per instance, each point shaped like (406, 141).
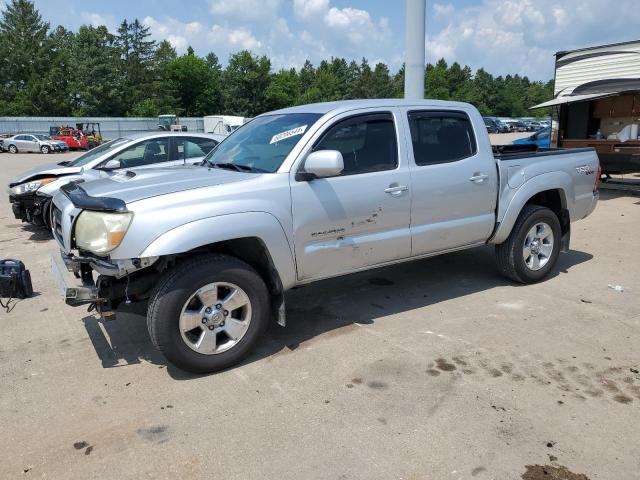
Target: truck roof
(346, 105)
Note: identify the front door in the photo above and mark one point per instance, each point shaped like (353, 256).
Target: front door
(146, 154)
(453, 180)
(361, 217)
(34, 146)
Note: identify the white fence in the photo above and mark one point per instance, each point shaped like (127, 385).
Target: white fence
(111, 127)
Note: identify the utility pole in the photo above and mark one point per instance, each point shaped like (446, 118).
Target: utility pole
(414, 59)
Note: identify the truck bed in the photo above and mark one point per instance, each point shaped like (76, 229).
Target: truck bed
(515, 152)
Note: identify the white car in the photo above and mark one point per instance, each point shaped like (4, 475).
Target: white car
(30, 193)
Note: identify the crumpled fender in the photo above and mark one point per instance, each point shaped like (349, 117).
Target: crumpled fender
(557, 180)
(209, 230)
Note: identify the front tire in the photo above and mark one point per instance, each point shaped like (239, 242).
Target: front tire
(13, 149)
(207, 313)
(44, 149)
(531, 251)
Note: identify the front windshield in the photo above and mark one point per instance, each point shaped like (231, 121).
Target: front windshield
(262, 144)
(97, 152)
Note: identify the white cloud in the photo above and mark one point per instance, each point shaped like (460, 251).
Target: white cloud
(310, 8)
(245, 9)
(178, 42)
(244, 39)
(443, 10)
(521, 36)
(95, 20)
(314, 30)
(177, 33)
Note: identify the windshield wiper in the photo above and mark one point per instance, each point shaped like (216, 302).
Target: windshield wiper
(235, 166)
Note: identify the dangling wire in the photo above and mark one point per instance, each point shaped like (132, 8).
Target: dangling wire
(7, 306)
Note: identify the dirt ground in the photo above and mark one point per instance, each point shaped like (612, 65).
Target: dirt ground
(436, 369)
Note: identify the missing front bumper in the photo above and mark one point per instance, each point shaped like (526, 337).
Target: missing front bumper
(72, 293)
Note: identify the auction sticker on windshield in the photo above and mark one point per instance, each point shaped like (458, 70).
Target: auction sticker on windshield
(289, 133)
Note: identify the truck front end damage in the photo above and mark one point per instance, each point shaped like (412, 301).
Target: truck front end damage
(95, 279)
(101, 283)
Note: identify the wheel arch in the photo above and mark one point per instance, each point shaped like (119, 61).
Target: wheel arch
(553, 190)
(256, 238)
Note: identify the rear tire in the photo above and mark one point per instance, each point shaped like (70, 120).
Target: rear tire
(202, 287)
(531, 250)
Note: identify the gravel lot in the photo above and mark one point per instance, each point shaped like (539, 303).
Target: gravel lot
(435, 369)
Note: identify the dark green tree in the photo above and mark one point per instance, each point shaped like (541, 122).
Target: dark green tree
(164, 53)
(246, 79)
(49, 92)
(96, 85)
(283, 89)
(23, 34)
(137, 54)
(191, 78)
(436, 83)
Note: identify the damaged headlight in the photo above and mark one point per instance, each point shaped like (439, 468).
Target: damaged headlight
(101, 232)
(30, 186)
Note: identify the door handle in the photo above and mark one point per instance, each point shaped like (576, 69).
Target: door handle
(479, 178)
(396, 189)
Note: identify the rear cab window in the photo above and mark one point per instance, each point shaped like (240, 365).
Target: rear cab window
(441, 136)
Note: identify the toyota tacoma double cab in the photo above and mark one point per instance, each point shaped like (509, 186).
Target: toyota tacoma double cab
(303, 194)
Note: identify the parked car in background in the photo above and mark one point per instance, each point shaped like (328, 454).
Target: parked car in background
(491, 124)
(303, 194)
(27, 142)
(533, 125)
(500, 125)
(542, 138)
(519, 127)
(30, 192)
(3, 137)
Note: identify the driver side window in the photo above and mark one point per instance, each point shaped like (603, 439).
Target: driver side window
(144, 153)
(367, 143)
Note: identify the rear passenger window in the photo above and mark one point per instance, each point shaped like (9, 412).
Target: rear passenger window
(192, 147)
(441, 137)
(367, 143)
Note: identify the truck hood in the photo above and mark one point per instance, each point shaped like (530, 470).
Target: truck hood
(52, 169)
(134, 185)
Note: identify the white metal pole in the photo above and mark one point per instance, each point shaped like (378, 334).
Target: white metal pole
(414, 62)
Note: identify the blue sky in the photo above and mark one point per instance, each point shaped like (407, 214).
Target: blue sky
(503, 36)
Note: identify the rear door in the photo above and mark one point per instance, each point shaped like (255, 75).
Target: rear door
(453, 181)
(22, 143)
(360, 217)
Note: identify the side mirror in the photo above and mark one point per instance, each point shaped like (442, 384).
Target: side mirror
(112, 165)
(322, 164)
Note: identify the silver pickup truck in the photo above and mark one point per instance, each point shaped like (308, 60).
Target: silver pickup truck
(303, 194)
